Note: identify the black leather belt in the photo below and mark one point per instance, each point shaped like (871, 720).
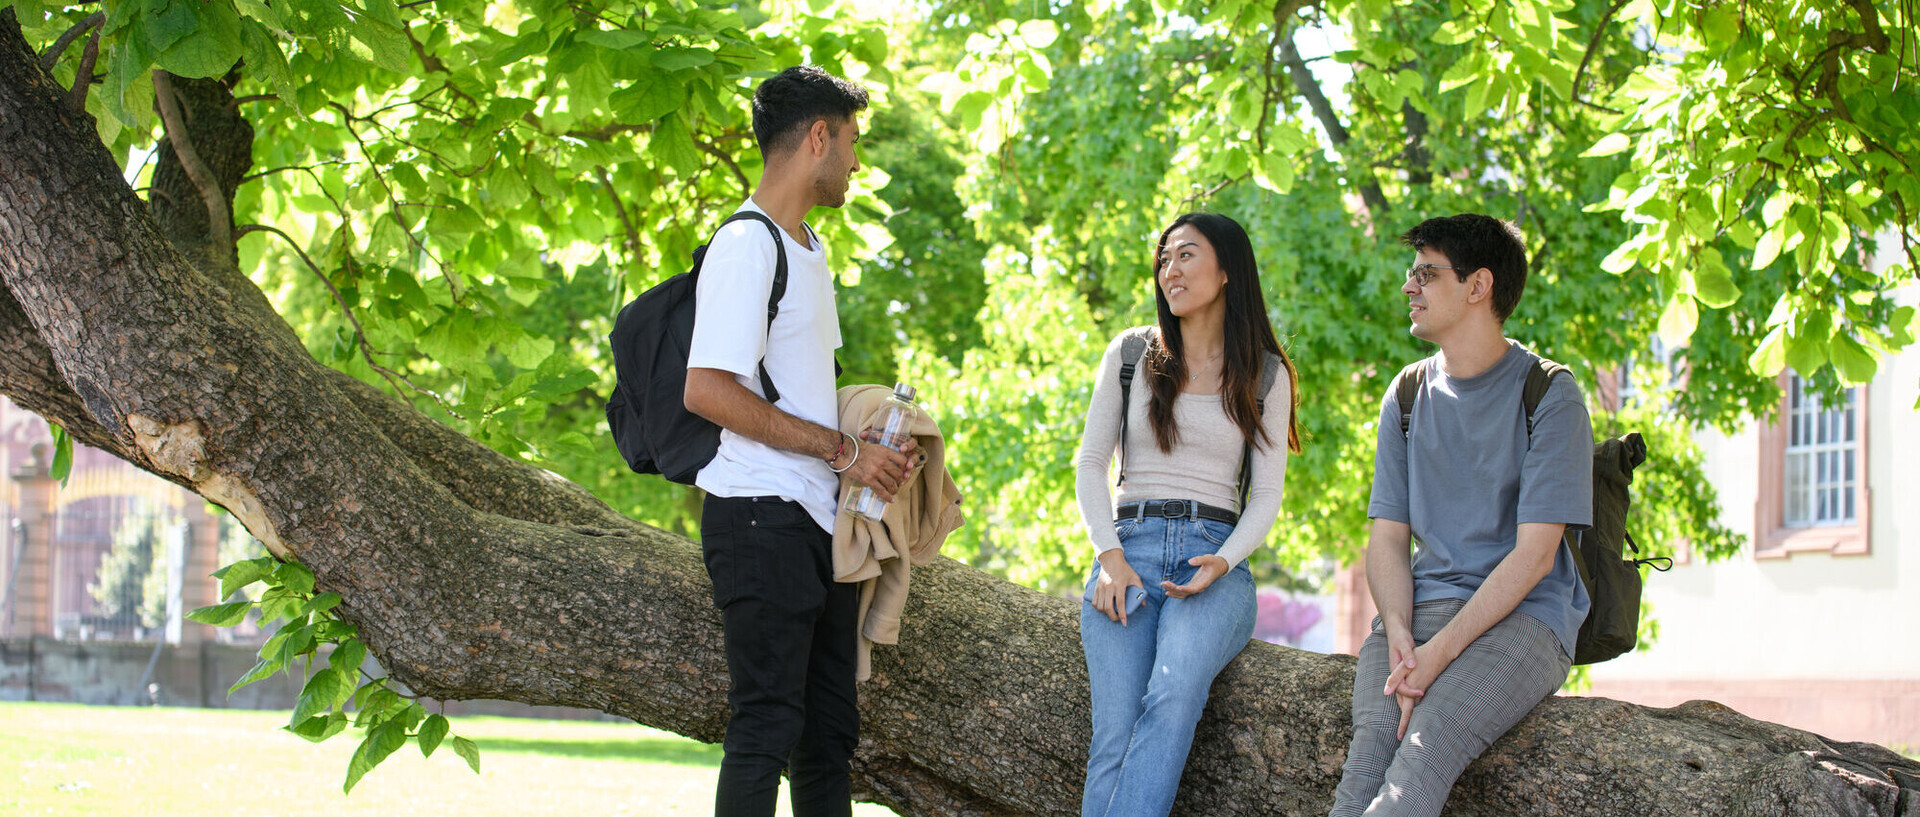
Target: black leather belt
(1176, 509)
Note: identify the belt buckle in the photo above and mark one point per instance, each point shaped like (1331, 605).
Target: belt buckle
(1174, 508)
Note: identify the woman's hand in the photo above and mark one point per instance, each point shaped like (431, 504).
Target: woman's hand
(1211, 567)
(1110, 590)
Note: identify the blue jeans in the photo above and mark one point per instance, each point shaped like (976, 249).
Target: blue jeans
(1150, 678)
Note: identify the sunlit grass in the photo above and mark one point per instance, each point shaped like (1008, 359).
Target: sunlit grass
(65, 759)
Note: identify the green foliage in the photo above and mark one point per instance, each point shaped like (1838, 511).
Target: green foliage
(62, 466)
(335, 697)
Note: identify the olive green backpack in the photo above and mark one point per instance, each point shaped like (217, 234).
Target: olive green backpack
(1612, 578)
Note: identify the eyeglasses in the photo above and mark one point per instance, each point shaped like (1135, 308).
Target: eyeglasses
(1423, 274)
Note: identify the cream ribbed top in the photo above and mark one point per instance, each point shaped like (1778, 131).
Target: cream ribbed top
(1204, 464)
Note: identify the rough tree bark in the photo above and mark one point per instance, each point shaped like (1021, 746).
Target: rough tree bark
(472, 575)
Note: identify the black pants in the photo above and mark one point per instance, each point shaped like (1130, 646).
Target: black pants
(790, 640)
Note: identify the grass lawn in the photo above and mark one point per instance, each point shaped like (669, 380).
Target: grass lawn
(68, 759)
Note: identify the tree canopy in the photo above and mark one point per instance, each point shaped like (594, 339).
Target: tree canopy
(451, 199)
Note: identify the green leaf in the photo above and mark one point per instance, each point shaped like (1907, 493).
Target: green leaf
(1455, 32)
(1678, 320)
(411, 715)
(386, 43)
(1766, 249)
(265, 668)
(1608, 145)
(678, 58)
(1771, 355)
(378, 746)
(320, 727)
(221, 615)
(467, 750)
(970, 105)
(1855, 362)
(432, 731)
(674, 145)
(385, 11)
(62, 466)
(1713, 281)
(299, 642)
(347, 656)
(1275, 172)
(1622, 258)
(264, 58)
(1039, 33)
(208, 46)
(295, 577)
(325, 602)
(527, 351)
(618, 39)
(379, 707)
(1807, 349)
(324, 691)
(238, 575)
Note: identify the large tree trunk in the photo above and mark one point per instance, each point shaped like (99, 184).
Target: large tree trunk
(472, 575)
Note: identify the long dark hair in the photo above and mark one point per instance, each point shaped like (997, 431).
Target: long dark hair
(1249, 338)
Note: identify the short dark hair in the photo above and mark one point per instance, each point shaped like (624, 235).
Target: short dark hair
(1471, 241)
(789, 102)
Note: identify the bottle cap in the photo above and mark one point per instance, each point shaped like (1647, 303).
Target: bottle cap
(903, 391)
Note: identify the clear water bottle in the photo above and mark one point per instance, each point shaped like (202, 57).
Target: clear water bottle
(891, 428)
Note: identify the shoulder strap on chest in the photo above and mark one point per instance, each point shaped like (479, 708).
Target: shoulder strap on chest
(1133, 348)
(778, 291)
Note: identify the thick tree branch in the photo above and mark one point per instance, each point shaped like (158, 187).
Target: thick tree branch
(1415, 153)
(83, 77)
(1875, 37)
(1593, 45)
(1370, 193)
(219, 217)
(51, 56)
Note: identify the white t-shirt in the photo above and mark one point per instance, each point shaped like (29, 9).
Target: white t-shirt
(730, 333)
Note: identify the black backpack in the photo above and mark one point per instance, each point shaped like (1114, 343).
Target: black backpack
(647, 412)
(1612, 579)
(1133, 347)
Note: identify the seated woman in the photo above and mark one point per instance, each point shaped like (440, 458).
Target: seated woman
(1202, 463)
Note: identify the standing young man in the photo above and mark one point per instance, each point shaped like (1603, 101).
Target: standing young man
(1478, 626)
(767, 527)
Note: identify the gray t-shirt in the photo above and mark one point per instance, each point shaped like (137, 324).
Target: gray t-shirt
(1473, 476)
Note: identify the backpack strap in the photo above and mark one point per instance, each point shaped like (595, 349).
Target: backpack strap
(1269, 373)
(1406, 386)
(1133, 348)
(1539, 379)
(778, 291)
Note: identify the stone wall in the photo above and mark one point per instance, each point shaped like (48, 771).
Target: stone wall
(196, 675)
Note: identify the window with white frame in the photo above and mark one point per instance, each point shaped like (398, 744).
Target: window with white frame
(1822, 471)
(1814, 491)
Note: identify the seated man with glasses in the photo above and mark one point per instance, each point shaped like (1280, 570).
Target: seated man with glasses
(1479, 601)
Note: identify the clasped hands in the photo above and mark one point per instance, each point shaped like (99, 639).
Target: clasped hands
(1414, 669)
